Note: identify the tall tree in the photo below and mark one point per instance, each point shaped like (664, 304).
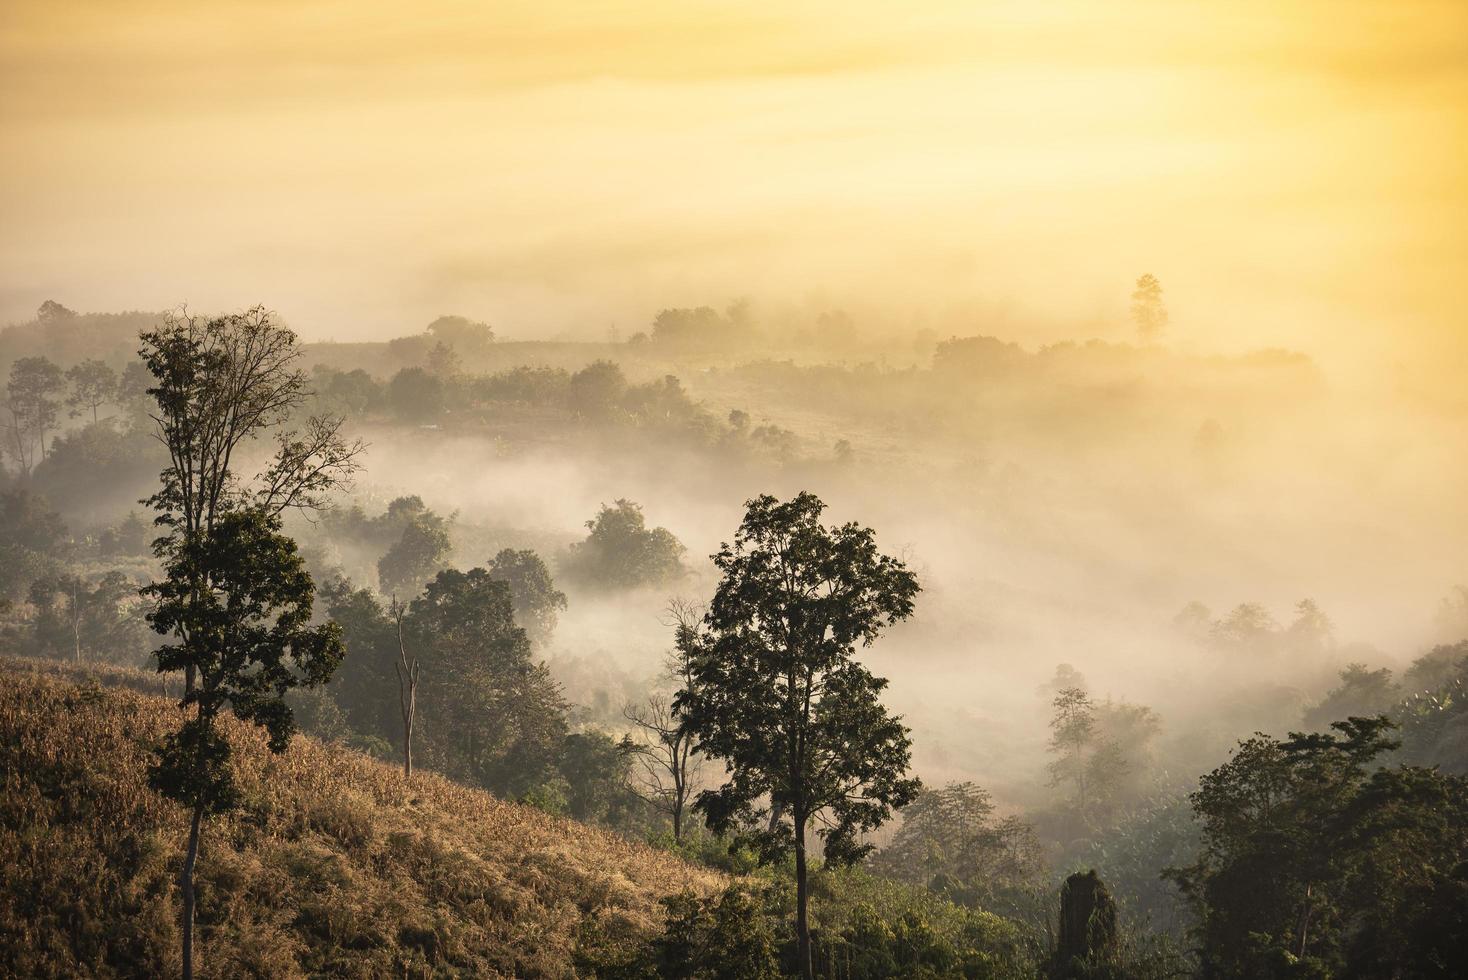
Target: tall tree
(93, 384)
(247, 635)
(220, 383)
(1086, 761)
(492, 715)
(408, 670)
(32, 402)
(778, 695)
(1148, 313)
(236, 597)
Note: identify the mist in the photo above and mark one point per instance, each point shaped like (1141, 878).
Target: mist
(1135, 334)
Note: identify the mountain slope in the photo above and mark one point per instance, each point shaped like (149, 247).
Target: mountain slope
(335, 865)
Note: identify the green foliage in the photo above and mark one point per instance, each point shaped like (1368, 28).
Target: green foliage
(533, 592)
(421, 551)
(416, 395)
(1157, 834)
(90, 471)
(596, 391)
(490, 715)
(775, 692)
(1434, 722)
(1088, 758)
(724, 937)
(1362, 694)
(32, 538)
(237, 602)
(363, 687)
(100, 621)
(597, 772)
(951, 841)
(622, 552)
(1437, 667)
(1313, 859)
(351, 394)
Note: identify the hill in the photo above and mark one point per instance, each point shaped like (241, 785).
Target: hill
(335, 865)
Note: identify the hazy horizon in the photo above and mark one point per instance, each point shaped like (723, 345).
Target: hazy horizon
(1292, 173)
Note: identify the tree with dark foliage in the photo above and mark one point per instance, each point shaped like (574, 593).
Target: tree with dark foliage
(247, 635)
(235, 596)
(1317, 862)
(778, 696)
(492, 715)
(532, 590)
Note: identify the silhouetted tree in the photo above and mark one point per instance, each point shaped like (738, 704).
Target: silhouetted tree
(52, 310)
(219, 384)
(1148, 313)
(416, 395)
(32, 403)
(595, 392)
(1314, 857)
(236, 597)
(93, 384)
(492, 715)
(778, 696)
(239, 600)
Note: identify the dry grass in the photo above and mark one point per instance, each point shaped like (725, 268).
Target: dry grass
(335, 865)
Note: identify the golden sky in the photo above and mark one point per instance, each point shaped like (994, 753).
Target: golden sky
(1296, 173)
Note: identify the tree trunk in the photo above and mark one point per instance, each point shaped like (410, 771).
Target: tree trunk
(802, 903)
(678, 823)
(186, 884)
(76, 620)
(408, 749)
(1304, 920)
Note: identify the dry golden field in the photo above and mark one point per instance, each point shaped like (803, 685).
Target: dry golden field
(335, 864)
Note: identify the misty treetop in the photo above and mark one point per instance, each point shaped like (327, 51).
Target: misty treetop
(622, 552)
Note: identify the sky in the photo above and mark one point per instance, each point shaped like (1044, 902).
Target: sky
(1295, 173)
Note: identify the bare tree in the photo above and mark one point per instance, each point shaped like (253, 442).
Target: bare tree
(408, 669)
(669, 766)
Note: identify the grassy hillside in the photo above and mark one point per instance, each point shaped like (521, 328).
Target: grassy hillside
(335, 865)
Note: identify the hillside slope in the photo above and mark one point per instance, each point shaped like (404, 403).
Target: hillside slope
(335, 865)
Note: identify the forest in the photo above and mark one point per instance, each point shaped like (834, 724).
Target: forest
(931, 657)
